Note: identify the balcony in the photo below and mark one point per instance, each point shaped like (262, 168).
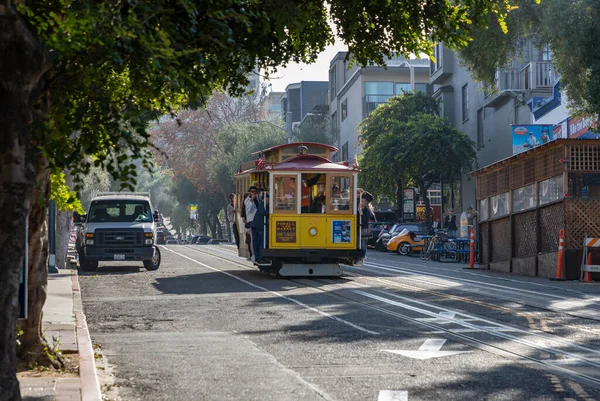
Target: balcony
(370, 103)
(535, 76)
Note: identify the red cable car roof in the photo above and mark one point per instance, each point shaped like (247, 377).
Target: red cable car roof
(310, 162)
(296, 144)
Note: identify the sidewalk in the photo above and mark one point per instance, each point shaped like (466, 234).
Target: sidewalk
(64, 321)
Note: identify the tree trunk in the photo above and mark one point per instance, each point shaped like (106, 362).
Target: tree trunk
(399, 200)
(22, 70)
(423, 191)
(63, 230)
(34, 348)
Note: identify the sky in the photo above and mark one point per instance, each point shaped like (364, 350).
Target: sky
(295, 72)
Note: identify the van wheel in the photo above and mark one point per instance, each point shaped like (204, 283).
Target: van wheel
(403, 249)
(154, 263)
(87, 265)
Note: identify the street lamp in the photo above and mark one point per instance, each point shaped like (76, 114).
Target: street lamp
(288, 133)
(412, 74)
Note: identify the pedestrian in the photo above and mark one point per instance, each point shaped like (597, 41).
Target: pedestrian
(471, 215)
(246, 226)
(450, 223)
(250, 204)
(365, 214)
(231, 216)
(258, 231)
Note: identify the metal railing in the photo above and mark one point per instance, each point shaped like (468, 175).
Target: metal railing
(534, 76)
(370, 102)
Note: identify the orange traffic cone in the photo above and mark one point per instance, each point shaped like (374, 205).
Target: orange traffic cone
(587, 276)
(559, 263)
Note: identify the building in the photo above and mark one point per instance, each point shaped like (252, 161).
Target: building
(354, 92)
(527, 199)
(270, 107)
(486, 116)
(301, 98)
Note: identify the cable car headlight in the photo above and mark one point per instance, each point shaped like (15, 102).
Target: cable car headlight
(313, 231)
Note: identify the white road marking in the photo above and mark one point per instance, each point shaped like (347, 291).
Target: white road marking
(429, 349)
(530, 343)
(391, 395)
(320, 312)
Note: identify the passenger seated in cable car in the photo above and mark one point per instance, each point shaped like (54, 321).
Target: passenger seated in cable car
(307, 184)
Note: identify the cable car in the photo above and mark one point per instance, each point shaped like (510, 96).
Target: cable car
(311, 227)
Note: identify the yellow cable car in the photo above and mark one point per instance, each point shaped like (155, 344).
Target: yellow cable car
(311, 202)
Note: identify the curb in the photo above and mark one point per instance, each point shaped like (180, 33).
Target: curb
(90, 386)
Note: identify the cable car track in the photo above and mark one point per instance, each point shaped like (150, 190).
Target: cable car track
(574, 362)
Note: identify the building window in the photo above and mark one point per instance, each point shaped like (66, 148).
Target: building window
(524, 198)
(344, 109)
(420, 87)
(546, 54)
(480, 127)
(551, 190)
(332, 84)
(402, 87)
(500, 205)
(465, 102)
(435, 194)
(437, 54)
(483, 210)
(376, 93)
(379, 88)
(345, 152)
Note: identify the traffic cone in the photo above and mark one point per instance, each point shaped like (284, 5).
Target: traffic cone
(559, 263)
(587, 276)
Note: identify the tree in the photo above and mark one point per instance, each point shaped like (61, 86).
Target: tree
(419, 148)
(316, 128)
(81, 79)
(570, 36)
(376, 174)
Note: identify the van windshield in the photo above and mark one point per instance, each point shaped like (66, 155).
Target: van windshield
(120, 211)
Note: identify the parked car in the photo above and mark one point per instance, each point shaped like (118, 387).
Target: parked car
(386, 236)
(406, 242)
(201, 240)
(378, 227)
(161, 238)
(172, 241)
(217, 241)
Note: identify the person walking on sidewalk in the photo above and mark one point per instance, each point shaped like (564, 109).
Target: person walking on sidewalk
(450, 223)
(231, 216)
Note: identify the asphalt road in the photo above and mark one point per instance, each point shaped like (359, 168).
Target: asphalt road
(208, 326)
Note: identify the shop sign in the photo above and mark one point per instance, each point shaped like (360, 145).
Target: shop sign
(580, 125)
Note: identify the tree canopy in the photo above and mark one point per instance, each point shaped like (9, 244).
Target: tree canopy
(568, 27)
(407, 143)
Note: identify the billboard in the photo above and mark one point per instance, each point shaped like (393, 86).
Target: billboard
(525, 137)
(578, 126)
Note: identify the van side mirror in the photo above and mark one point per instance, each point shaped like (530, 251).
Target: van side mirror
(156, 216)
(79, 218)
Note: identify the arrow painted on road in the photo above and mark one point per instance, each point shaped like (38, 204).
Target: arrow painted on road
(429, 349)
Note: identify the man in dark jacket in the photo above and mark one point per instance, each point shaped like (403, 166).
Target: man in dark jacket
(258, 231)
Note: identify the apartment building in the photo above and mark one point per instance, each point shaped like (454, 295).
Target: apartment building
(270, 107)
(300, 99)
(486, 116)
(354, 92)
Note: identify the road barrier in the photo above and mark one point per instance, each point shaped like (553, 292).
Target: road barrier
(561, 250)
(586, 264)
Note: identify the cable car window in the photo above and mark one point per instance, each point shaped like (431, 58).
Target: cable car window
(284, 196)
(340, 199)
(312, 200)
